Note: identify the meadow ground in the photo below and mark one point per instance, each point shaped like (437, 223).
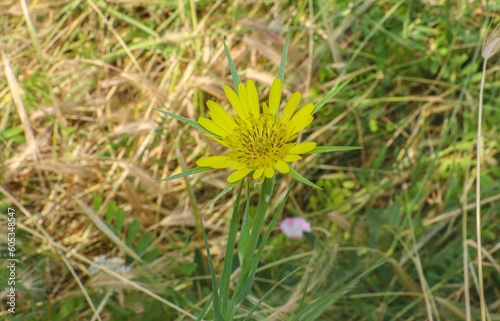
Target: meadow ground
(83, 151)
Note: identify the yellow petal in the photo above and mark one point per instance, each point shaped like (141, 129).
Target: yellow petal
(305, 110)
(269, 172)
(292, 158)
(220, 141)
(253, 98)
(301, 124)
(275, 96)
(221, 117)
(265, 109)
(245, 103)
(213, 161)
(301, 119)
(212, 127)
(281, 166)
(302, 148)
(234, 100)
(258, 173)
(235, 165)
(238, 175)
(291, 105)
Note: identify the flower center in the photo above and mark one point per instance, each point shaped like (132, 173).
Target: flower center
(259, 141)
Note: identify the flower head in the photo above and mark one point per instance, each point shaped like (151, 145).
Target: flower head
(294, 227)
(491, 45)
(101, 281)
(259, 140)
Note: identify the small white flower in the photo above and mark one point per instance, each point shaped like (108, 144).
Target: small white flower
(101, 281)
(115, 264)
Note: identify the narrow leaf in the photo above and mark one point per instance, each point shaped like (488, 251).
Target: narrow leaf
(246, 288)
(103, 227)
(215, 291)
(224, 192)
(187, 173)
(128, 18)
(245, 229)
(304, 294)
(302, 179)
(234, 72)
(269, 292)
(205, 309)
(228, 258)
(256, 258)
(330, 95)
(250, 260)
(330, 149)
(314, 310)
(281, 70)
(186, 121)
(268, 187)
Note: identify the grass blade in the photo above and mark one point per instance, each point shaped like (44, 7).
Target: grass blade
(281, 70)
(187, 173)
(302, 179)
(215, 291)
(234, 72)
(204, 310)
(186, 121)
(314, 310)
(246, 288)
(247, 274)
(269, 292)
(330, 149)
(103, 227)
(228, 259)
(330, 95)
(256, 258)
(121, 16)
(245, 229)
(267, 187)
(224, 192)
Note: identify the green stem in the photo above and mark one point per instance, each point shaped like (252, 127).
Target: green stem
(482, 300)
(247, 273)
(228, 259)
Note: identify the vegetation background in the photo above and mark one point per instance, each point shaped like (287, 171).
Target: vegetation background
(83, 151)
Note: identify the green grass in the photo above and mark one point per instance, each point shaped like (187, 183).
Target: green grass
(84, 153)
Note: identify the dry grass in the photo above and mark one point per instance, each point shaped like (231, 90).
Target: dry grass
(86, 99)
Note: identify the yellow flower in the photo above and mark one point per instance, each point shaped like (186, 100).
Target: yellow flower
(259, 140)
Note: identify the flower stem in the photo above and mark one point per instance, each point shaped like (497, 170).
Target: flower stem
(245, 281)
(478, 196)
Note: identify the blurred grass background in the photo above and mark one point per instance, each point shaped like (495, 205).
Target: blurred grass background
(83, 151)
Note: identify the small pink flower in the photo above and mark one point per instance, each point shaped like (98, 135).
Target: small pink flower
(294, 227)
